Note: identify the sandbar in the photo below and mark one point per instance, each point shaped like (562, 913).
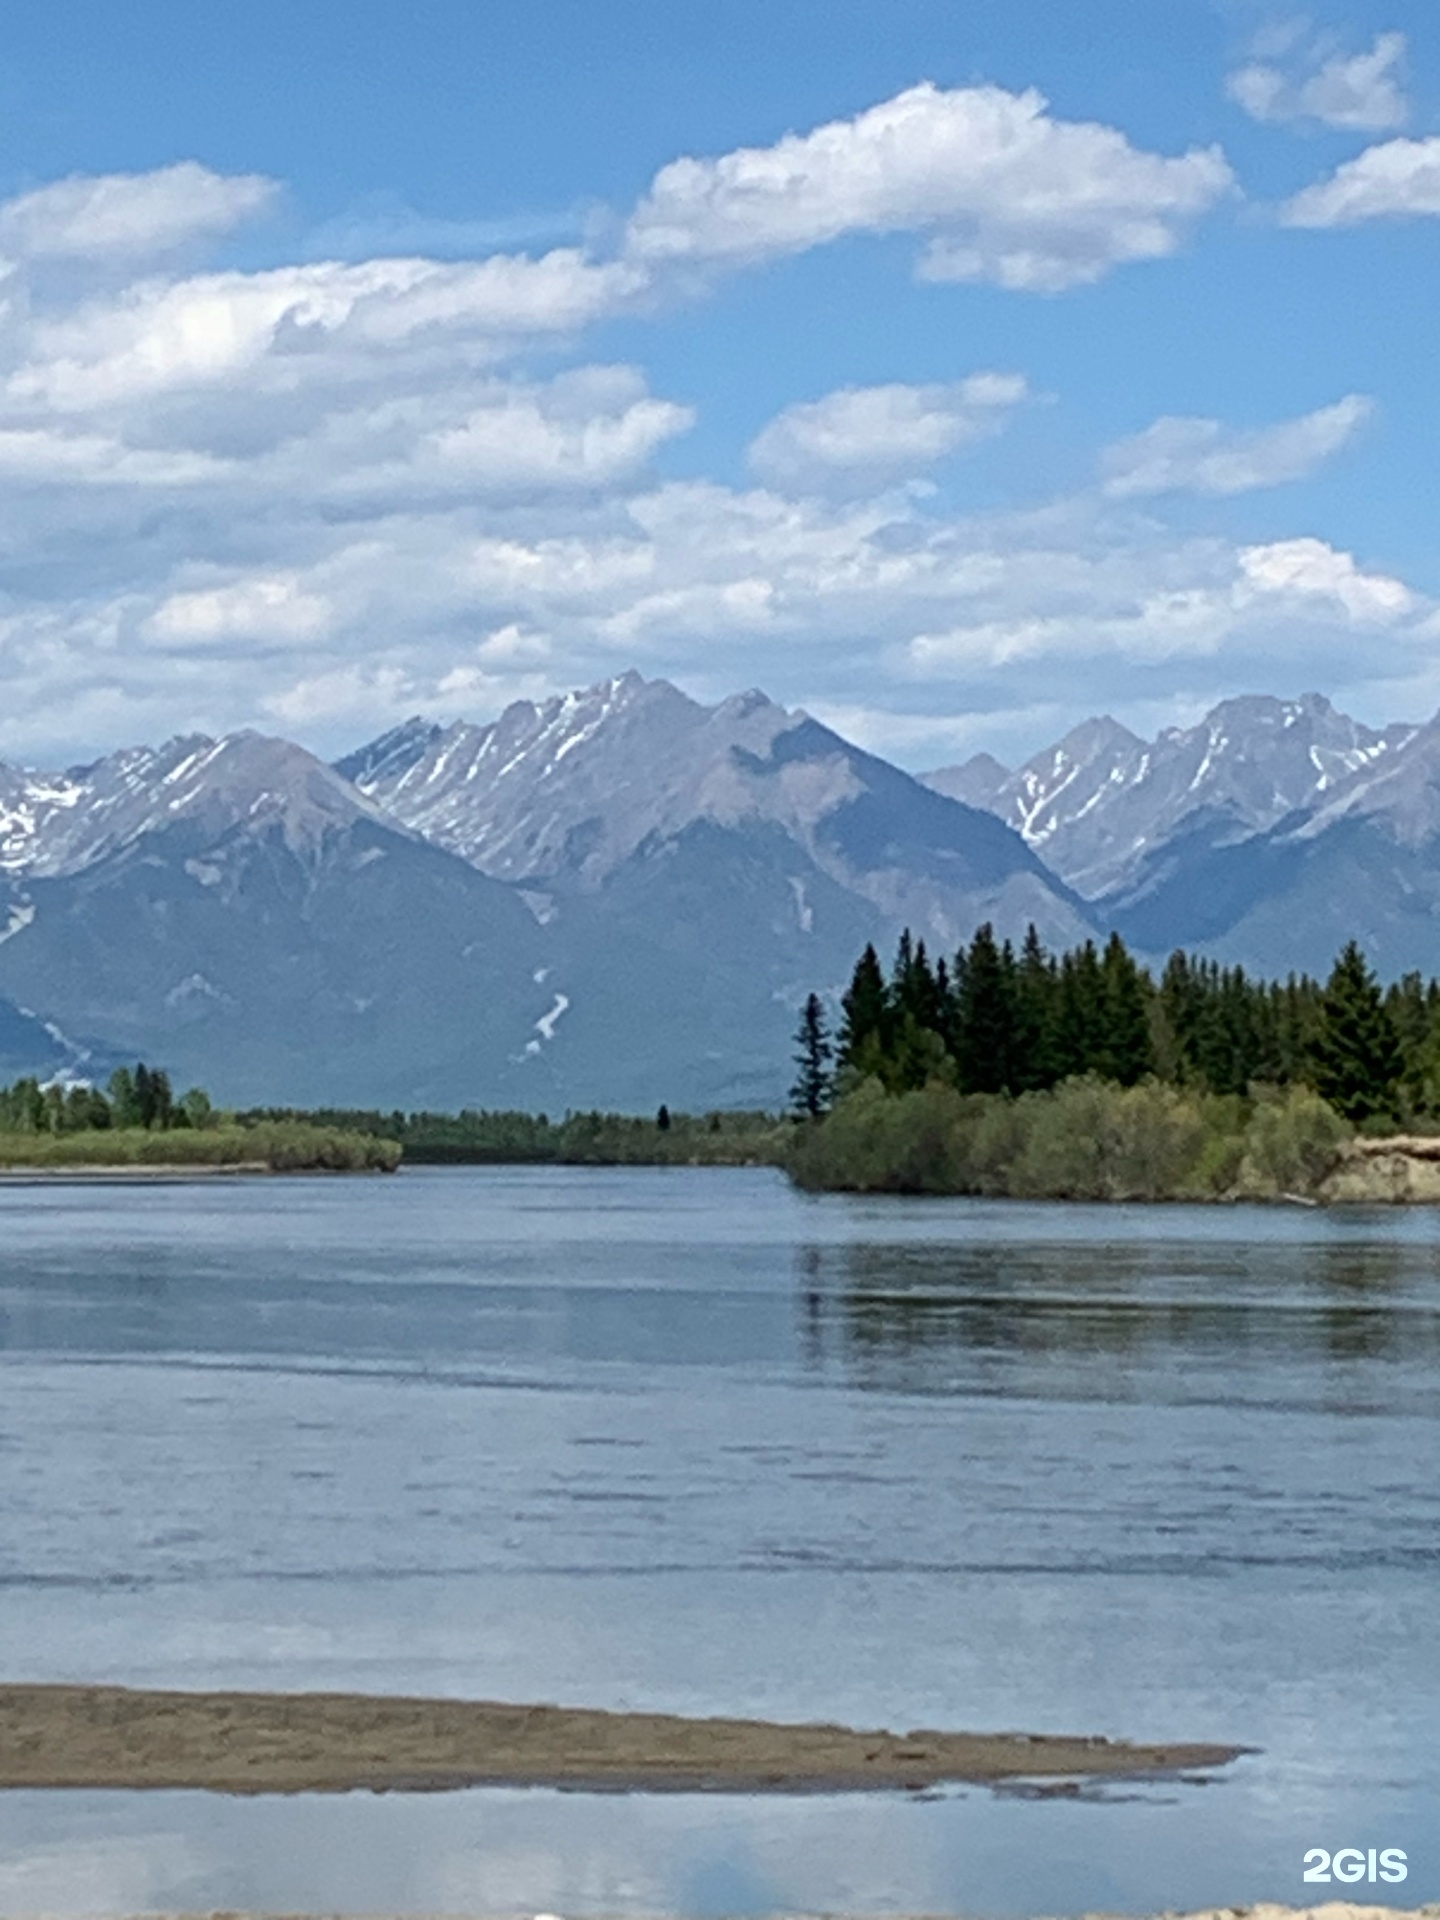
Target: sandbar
(91, 1736)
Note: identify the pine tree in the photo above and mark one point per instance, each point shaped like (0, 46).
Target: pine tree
(1127, 1052)
(1357, 1057)
(1032, 1031)
(1080, 1013)
(865, 1030)
(810, 1094)
(986, 1016)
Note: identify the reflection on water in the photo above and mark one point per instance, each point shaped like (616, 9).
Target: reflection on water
(1113, 1320)
(691, 1441)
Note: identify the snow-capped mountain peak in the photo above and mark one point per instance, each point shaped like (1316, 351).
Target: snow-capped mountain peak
(61, 823)
(1097, 804)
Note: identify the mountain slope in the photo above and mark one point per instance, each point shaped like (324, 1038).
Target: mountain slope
(1364, 863)
(564, 795)
(1099, 805)
(235, 910)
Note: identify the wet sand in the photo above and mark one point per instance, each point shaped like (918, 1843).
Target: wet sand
(82, 1736)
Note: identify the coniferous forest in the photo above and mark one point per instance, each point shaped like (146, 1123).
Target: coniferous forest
(1080, 1072)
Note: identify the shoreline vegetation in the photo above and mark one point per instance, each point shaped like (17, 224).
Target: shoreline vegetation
(1079, 1076)
(1029, 1075)
(54, 1736)
(138, 1129)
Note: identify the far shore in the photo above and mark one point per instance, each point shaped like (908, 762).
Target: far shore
(246, 1743)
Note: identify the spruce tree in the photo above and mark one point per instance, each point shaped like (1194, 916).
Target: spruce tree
(865, 1029)
(1127, 1052)
(810, 1095)
(1356, 1051)
(1080, 1013)
(986, 1016)
(1036, 990)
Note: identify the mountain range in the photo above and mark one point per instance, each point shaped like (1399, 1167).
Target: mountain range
(620, 896)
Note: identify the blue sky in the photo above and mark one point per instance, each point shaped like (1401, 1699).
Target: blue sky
(952, 371)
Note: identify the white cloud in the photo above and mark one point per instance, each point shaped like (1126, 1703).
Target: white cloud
(588, 429)
(1309, 570)
(1203, 456)
(296, 327)
(130, 215)
(1009, 193)
(867, 436)
(1361, 92)
(267, 608)
(326, 496)
(1398, 177)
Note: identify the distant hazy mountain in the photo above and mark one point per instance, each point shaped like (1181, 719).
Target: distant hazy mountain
(1102, 803)
(236, 911)
(622, 896)
(1362, 862)
(614, 899)
(569, 794)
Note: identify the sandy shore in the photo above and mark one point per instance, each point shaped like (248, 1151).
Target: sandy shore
(74, 1736)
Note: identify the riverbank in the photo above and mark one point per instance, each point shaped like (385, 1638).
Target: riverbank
(85, 1736)
(138, 1153)
(1089, 1139)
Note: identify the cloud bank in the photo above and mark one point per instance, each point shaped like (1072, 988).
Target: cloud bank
(328, 493)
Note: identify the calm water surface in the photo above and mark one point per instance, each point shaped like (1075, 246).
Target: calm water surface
(687, 1440)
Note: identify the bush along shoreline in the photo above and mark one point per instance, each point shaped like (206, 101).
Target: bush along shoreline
(137, 1125)
(1080, 1077)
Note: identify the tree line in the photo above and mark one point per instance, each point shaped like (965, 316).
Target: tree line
(996, 1021)
(138, 1097)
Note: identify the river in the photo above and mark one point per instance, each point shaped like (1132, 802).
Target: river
(688, 1440)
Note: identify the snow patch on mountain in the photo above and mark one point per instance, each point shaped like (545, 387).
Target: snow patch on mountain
(1097, 803)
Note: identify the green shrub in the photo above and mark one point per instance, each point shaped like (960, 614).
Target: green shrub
(1292, 1141)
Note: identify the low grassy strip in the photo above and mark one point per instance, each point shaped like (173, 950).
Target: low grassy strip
(277, 1147)
(480, 1136)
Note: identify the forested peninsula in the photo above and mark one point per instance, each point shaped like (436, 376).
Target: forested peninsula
(1081, 1076)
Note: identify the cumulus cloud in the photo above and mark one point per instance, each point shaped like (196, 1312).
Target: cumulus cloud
(130, 215)
(869, 436)
(265, 608)
(1152, 607)
(1310, 570)
(324, 496)
(1396, 178)
(1177, 455)
(1360, 92)
(1008, 193)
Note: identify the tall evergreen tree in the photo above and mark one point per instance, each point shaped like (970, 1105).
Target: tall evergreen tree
(986, 1015)
(865, 1030)
(1080, 1012)
(810, 1095)
(1357, 1057)
(1127, 1051)
(1036, 991)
